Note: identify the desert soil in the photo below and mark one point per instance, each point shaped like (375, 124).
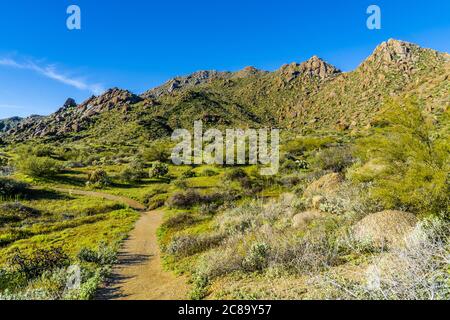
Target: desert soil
(138, 274)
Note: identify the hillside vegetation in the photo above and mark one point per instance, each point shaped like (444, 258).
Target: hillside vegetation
(359, 209)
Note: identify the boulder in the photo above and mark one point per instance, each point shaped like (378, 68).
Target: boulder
(328, 184)
(386, 228)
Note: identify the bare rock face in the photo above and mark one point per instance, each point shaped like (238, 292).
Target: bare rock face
(190, 81)
(314, 68)
(393, 55)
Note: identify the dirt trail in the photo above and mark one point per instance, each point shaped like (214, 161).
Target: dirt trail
(139, 275)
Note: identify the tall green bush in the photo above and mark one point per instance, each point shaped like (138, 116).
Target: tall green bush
(406, 159)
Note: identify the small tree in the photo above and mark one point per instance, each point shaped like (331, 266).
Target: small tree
(411, 154)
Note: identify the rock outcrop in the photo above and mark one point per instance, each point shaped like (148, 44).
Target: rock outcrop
(72, 118)
(385, 229)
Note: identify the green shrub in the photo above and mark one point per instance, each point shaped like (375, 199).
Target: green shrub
(158, 170)
(300, 146)
(185, 200)
(186, 245)
(235, 174)
(208, 173)
(178, 220)
(39, 167)
(181, 183)
(9, 187)
(38, 262)
(155, 192)
(98, 179)
(188, 174)
(190, 198)
(133, 172)
(158, 151)
(257, 257)
(43, 151)
(406, 159)
(157, 201)
(103, 256)
(336, 159)
(14, 212)
(4, 161)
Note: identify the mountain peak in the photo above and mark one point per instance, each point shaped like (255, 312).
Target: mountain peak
(179, 83)
(314, 67)
(393, 51)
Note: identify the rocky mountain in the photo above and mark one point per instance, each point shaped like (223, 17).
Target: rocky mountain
(9, 123)
(309, 95)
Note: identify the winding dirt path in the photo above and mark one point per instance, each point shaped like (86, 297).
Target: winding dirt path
(139, 274)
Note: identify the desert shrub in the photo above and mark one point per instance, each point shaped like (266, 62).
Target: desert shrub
(235, 174)
(178, 220)
(10, 187)
(157, 201)
(188, 174)
(190, 198)
(4, 161)
(158, 170)
(39, 261)
(251, 186)
(158, 151)
(15, 211)
(251, 215)
(219, 261)
(181, 183)
(103, 256)
(290, 165)
(300, 146)
(186, 245)
(416, 271)
(154, 192)
(42, 151)
(200, 284)
(75, 165)
(350, 199)
(133, 172)
(98, 179)
(39, 167)
(208, 173)
(10, 279)
(185, 200)
(335, 159)
(304, 255)
(257, 257)
(411, 155)
(290, 181)
(209, 208)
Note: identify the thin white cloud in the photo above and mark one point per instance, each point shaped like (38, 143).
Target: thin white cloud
(51, 72)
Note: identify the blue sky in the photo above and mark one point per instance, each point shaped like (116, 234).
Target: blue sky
(137, 44)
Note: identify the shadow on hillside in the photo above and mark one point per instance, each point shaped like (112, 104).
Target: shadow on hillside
(112, 289)
(41, 194)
